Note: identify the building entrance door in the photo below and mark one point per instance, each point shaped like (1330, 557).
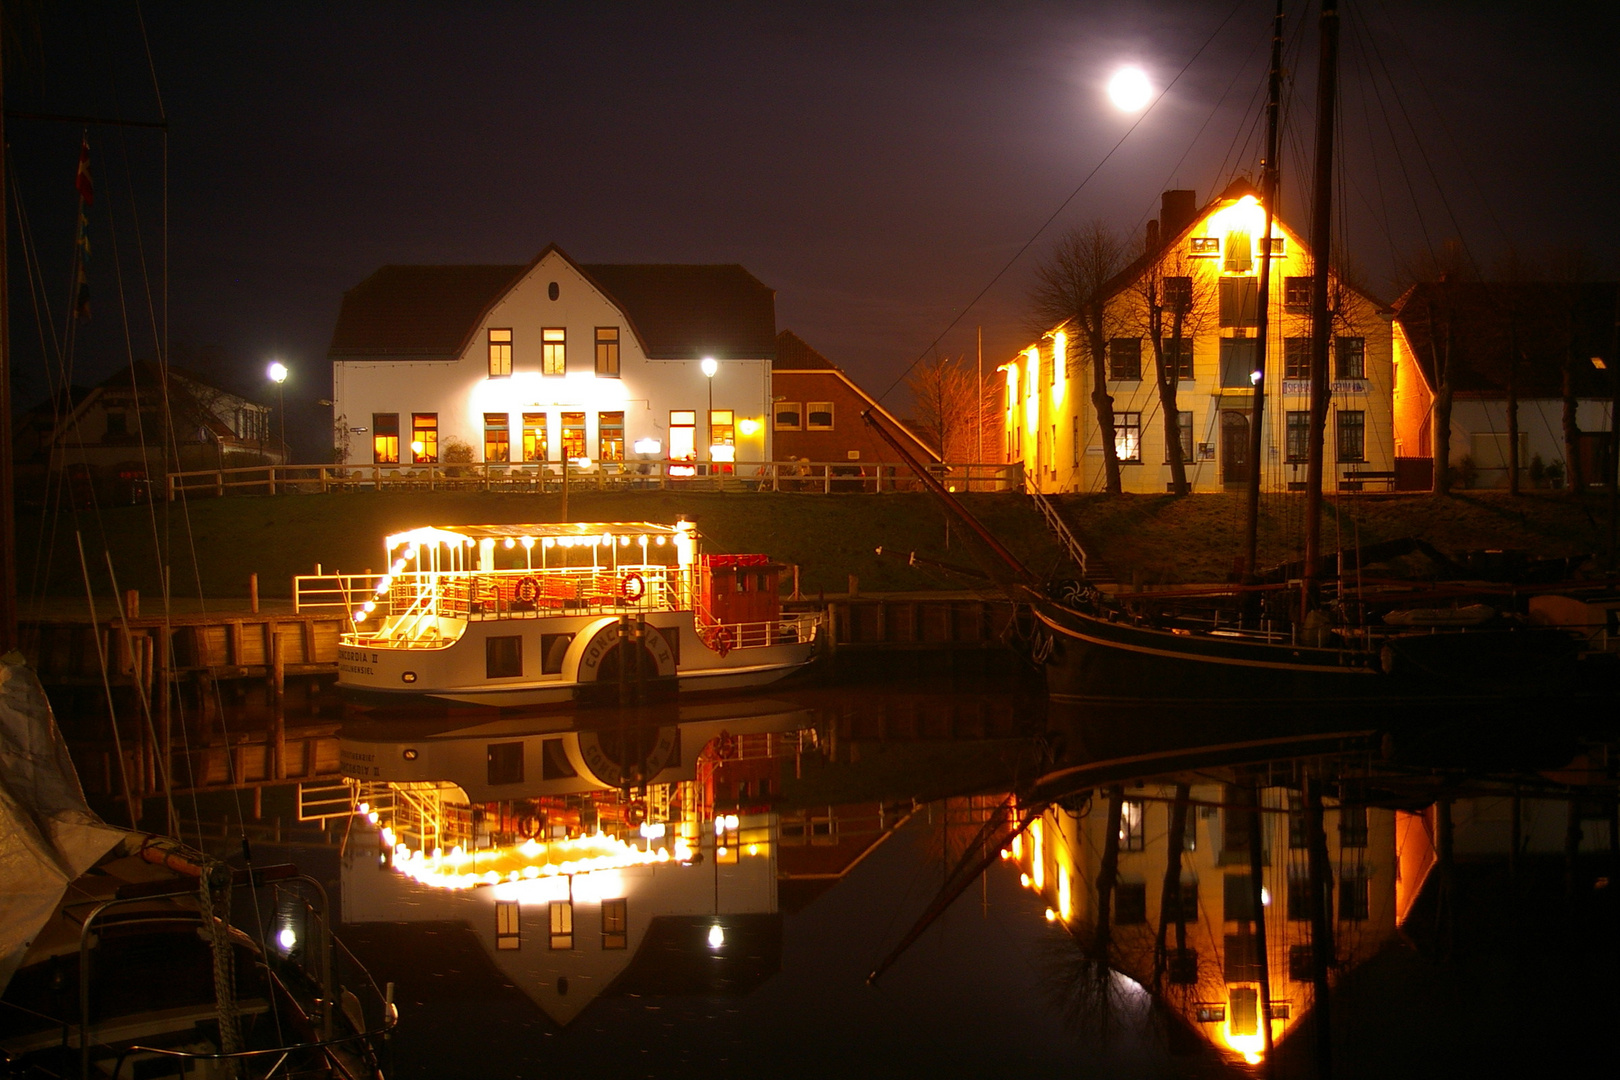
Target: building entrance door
(1234, 448)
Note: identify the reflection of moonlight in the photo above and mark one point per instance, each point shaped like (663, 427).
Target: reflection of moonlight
(1129, 89)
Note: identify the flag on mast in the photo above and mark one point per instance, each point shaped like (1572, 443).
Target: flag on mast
(87, 196)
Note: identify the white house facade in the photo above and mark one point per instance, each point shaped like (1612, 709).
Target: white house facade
(605, 365)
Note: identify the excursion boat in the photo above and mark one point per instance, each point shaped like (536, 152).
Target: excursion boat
(553, 613)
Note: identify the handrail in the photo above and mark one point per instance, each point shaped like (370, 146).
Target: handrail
(808, 477)
(1059, 528)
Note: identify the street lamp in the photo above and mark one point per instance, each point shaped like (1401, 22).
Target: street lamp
(278, 375)
(709, 367)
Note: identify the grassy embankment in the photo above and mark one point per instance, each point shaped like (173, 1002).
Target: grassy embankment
(831, 536)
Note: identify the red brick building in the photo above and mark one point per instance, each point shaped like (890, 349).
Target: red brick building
(817, 411)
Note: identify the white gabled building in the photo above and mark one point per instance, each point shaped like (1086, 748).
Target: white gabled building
(525, 364)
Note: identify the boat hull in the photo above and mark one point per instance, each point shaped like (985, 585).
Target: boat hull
(1094, 659)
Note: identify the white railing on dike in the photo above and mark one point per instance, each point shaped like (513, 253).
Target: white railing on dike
(789, 476)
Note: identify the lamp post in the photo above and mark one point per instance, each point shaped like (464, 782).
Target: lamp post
(278, 375)
(709, 368)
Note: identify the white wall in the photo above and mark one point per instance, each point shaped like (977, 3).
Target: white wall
(461, 391)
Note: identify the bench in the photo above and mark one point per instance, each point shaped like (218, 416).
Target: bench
(1355, 478)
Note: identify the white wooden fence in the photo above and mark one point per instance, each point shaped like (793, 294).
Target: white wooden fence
(791, 476)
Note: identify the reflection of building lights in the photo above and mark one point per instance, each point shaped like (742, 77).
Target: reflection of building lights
(1051, 916)
(1023, 879)
(287, 939)
(648, 446)
(652, 830)
(1265, 897)
(1006, 853)
(717, 936)
(531, 861)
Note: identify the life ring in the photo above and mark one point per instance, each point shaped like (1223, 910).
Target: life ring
(635, 813)
(529, 825)
(528, 589)
(632, 587)
(725, 746)
(719, 639)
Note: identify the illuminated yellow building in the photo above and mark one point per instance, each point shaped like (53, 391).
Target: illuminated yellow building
(1208, 260)
(1212, 981)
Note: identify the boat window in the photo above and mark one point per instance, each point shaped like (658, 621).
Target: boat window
(553, 648)
(562, 924)
(554, 763)
(385, 438)
(614, 935)
(534, 437)
(507, 925)
(503, 657)
(505, 761)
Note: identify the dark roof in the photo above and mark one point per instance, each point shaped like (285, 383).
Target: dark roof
(677, 312)
(685, 312)
(793, 353)
(1542, 323)
(417, 312)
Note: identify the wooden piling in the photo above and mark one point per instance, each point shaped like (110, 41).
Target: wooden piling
(253, 592)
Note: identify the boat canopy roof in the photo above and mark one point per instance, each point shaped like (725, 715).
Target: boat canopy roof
(460, 534)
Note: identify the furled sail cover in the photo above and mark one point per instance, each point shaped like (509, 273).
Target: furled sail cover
(48, 834)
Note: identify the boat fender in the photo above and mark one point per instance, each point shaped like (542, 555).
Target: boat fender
(528, 589)
(632, 587)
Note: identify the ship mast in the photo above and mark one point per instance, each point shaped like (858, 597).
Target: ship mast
(1321, 244)
(1268, 198)
(8, 505)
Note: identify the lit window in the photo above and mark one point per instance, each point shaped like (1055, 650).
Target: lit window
(819, 416)
(1131, 831)
(424, 438)
(385, 438)
(682, 435)
(614, 933)
(554, 351)
(1239, 252)
(534, 437)
(1128, 436)
(610, 436)
(607, 351)
(573, 436)
(507, 927)
(562, 924)
(1125, 359)
(722, 428)
(1205, 245)
(497, 437)
(500, 353)
(789, 416)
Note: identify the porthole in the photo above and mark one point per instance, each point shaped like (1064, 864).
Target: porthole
(409, 676)
(410, 755)
(552, 290)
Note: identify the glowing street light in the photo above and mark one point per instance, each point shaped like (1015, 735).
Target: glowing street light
(1130, 89)
(277, 371)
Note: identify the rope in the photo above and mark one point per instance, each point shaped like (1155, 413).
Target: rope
(217, 919)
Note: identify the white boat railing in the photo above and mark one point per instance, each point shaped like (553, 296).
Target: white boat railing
(497, 594)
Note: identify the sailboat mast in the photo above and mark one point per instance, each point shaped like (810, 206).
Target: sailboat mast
(1268, 198)
(1327, 86)
(8, 497)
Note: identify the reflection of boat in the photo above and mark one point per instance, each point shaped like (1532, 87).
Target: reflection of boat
(121, 948)
(509, 615)
(584, 852)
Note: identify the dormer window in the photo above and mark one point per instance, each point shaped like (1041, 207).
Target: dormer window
(1206, 245)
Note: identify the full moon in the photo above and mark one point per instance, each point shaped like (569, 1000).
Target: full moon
(1129, 89)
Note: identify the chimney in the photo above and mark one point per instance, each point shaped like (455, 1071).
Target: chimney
(1152, 236)
(1176, 211)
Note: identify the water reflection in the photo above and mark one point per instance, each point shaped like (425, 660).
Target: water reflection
(708, 884)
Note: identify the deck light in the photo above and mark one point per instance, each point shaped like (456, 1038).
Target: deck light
(383, 583)
(528, 541)
(1051, 916)
(287, 939)
(359, 616)
(510, 543)
(1023, 879)
(369, 606)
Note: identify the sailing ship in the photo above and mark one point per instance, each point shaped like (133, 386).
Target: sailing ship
(553, 613)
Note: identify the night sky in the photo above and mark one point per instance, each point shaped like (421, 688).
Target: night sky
(877, 165)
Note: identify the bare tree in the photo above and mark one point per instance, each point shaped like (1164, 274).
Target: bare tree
(1175, 304)
(949, 407)
(1071, 288)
